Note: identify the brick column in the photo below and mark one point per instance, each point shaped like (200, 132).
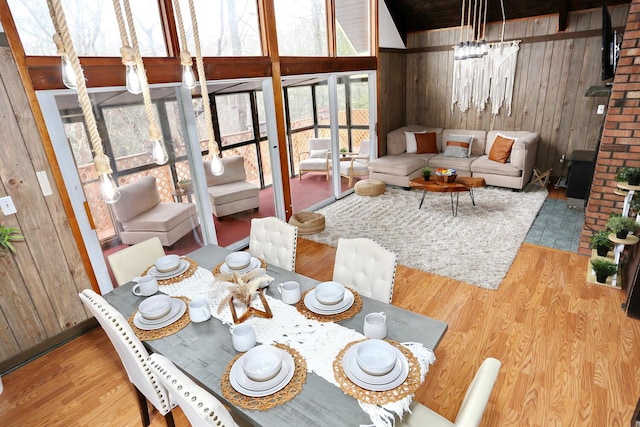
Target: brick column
(620, 143)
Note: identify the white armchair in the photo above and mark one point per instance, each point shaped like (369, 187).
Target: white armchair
(274, 241)
(356, 165)
(473, 406)
(318, 157)
(131, 262)
(367, 267)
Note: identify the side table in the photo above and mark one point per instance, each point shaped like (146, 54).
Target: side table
(180, 194)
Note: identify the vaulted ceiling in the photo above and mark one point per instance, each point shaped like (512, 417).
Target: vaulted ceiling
(421, 15)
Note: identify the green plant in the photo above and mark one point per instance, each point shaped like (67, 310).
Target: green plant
(8, 235)
(601, 238)
(185, 181)
(343, 150)
(426, 171)
(622, 175)
(633, 174)
(618, 224)
(603, 266)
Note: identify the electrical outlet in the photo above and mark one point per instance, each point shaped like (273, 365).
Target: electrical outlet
(44, 183)
(601, 109)
(7, 206)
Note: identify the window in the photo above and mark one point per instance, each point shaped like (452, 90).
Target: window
(234, 118)
(226, 27)
(352, 27)
(302, 27)
(300, 106)
(92, 24)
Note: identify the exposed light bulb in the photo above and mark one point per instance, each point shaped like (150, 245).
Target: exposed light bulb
(133, 80)
(108, 189)
(217, 168)
(188, 78)
(159, 153)
(68, 75)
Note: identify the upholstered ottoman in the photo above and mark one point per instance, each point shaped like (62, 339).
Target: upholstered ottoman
(307, 222)
(370, 187)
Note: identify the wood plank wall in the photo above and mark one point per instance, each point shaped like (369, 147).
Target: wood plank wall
(39, 285)
(391, 95)
(552, 77)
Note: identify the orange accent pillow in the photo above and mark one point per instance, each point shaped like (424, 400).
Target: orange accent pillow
(501, 149)
(426, 143)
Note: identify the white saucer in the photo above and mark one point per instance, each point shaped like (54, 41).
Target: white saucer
(243, 384)
(184, 266)
(313, 305)
(178, 307)
(255, 263)
(357, 375)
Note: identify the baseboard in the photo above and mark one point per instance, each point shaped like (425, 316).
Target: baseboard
(47, 345)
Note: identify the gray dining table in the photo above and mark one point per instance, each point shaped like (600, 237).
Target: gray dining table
(203, 351)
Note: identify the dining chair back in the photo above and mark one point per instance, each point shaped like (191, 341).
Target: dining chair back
(473, 405)
(200, 407)
(132, 261)
(274, 241)
(133, 356)
(367, 267)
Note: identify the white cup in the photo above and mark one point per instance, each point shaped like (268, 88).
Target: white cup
(199, 310)
(145, 286)
(243, 337)
(375, 325)
(290, 292)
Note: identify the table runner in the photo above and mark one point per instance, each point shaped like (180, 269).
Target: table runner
(318, 342)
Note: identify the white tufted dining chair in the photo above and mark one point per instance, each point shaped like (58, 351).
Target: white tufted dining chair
(472, 408)
(133, 356)
(367, 267)
(200, 407)
(274, 241)
(131, 262)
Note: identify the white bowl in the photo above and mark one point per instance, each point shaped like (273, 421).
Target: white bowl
(262, 363)
(329, 293)
(238, 260)
(167, 263)
(376, 357)
(155, 307)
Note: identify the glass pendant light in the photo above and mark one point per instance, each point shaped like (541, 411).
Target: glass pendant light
(133, 80)
(68, 75)
(217, 168)
(188, 78)
(159, 153)
(108, 189)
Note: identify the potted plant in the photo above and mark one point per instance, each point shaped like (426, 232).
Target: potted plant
(343, 152)
(185, 184)
(426, 173)
(603, 269)
(622, 175)
(633, 176)
(7, 236)
(601, 243)
(622, 225)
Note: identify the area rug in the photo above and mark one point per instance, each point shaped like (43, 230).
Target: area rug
(477, 246)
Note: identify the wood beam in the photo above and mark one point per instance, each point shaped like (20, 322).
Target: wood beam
(563, 14)
(315, 65)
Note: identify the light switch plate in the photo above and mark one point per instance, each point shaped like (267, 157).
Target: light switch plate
(44, 183)
(7, 206)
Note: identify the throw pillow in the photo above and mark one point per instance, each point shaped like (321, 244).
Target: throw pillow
(410, 139)
(426, 143)
(318, 154)
(463, 138)
(501, 149)
(457, 149)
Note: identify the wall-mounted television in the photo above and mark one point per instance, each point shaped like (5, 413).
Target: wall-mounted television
(610, 45)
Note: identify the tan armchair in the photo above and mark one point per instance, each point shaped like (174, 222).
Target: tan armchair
(142, 215)
(317, 158)
(356, 164)
(231, 192)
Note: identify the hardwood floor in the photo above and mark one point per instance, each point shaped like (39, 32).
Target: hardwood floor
(570, 356)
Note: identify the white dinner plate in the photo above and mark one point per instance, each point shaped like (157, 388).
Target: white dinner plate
(243, 384)
(351, 361)
(255, 263)
(184, 266)
(348, 366)
(178, 307)
(313, 305)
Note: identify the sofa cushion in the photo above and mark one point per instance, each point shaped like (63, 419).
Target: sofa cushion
(233, 191)
(486, 166)
(426, 143)
(135, 198)
(163, 217)
(233, 171)
(457, 149)
(501, 149)
(396, 140)
(319, 154)
(397, 165)
(457, 163)
(314, 164)
(479, 139)
(410, 140)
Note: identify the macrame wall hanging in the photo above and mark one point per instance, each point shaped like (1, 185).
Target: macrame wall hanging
(483, 72)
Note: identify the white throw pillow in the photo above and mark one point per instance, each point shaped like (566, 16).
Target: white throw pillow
(318, 154)
(463, 138)
(412, 144)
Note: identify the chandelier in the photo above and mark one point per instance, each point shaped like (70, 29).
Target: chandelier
(472, 43)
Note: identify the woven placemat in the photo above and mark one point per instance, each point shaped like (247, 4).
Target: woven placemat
(171, 329)
(408, 387)
(267, 402)
(347, 314)
(193, 266)
(216, 269)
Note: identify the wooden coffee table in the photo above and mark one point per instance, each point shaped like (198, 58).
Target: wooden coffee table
(463, 183)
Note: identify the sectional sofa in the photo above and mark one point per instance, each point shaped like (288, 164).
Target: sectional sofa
(398, 167)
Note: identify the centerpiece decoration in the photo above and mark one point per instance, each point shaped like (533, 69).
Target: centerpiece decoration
(446, 175)
(242, 290)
